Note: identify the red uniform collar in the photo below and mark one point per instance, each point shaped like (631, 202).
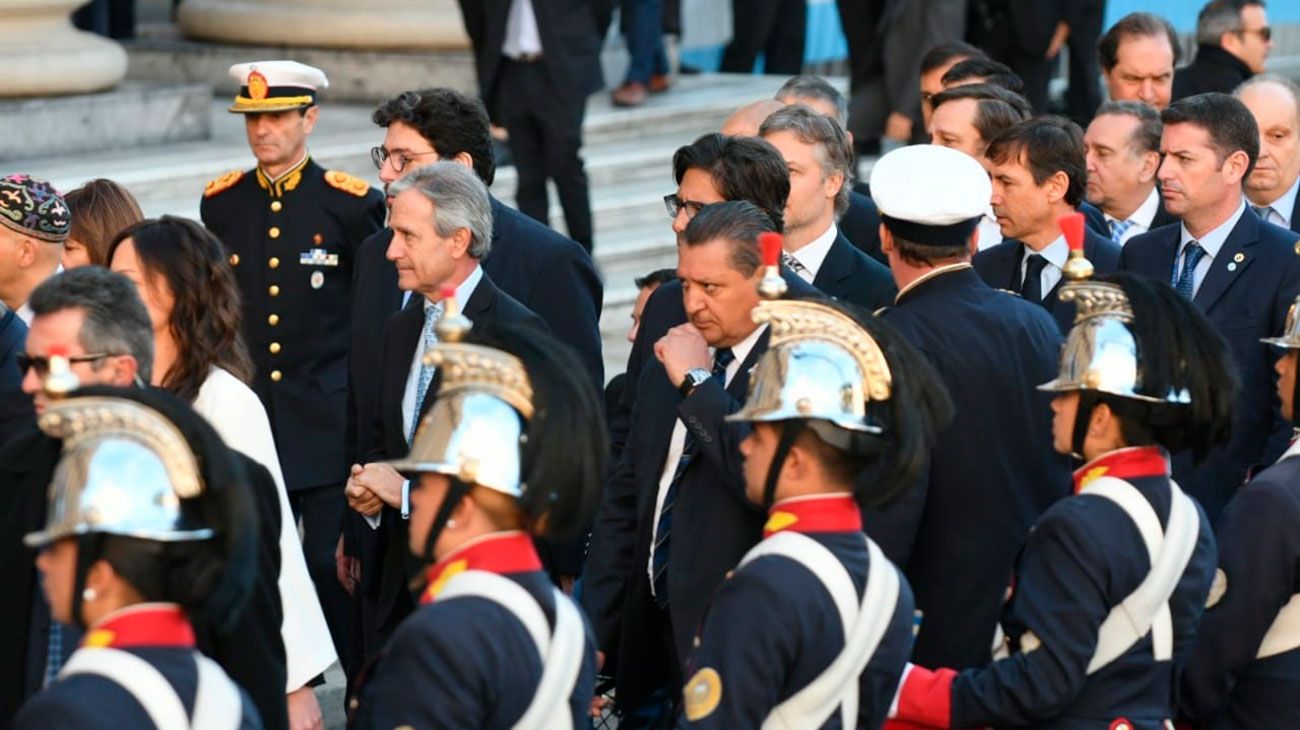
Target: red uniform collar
(144, 624)
(818, 513)
(1135, 461)
(499, 552)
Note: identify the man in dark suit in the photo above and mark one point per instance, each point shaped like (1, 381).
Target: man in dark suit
(1243, 273)
(1232, 42)
(15, 405)
(1138, 54)
(674, 519)
(537, 62)
(441, 218)
(1273, 186)
(859, 222)
(86, 312)
(1122, 147)
(818, 156)
(1038, 174)
(993, 469)
(1026, 35)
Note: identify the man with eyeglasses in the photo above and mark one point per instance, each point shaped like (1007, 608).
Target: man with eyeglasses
(292, 229)
(1233, 39)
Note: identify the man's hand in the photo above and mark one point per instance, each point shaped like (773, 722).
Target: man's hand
(304, 710)
(360, 498)
(347, 568)
(898, 127)
(1059, 36)
(682, 348)
(383, 481)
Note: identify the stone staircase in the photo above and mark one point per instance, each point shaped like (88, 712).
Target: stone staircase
(628, 155)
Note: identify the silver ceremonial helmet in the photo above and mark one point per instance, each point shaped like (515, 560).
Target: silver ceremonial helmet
(1290, 337)
(475, 428)
(1100, 352)
(124, 471)
(820, 366)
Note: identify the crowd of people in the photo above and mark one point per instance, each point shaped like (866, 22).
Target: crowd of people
(1001, 436)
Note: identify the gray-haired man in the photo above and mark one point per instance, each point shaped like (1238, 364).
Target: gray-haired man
(817, 153)
(441, 218)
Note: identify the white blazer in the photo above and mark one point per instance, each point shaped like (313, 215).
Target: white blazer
(235, 412)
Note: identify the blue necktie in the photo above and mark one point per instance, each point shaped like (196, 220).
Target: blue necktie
(1118, 228)
(431, 316)
(1262, 211)
(664, 527)
(54, 652)
(1032, 287)
(1192, 255)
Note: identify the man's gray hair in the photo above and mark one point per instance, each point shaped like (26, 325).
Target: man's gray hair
(116, 321)
(826, 136)
(815, 88)
(1287, 85)
(460, 200)
(1219, 17)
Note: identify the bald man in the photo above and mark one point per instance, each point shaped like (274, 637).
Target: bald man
(745, 121)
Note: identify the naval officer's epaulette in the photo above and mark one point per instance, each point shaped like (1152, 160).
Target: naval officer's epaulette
(223, 183)
(347, 183)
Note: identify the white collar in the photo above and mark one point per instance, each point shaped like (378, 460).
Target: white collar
(813, 254)
(1214, 240)
(1285, 205)
(1145, 213)
(1055, 252)
(742, 349)
(466, 288)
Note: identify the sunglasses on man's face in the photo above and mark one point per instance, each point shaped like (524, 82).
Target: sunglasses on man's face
(42, 364)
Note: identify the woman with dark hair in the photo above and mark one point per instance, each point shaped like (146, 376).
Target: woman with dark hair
(193, 302)
(149, 543)
(100, 210)
(1111, 584)
(511, 450)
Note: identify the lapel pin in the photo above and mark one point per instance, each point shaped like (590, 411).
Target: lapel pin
(1232, 266)
(317, 279)
(1239, 257)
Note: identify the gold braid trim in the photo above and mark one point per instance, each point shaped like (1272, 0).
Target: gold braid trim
(794, 320)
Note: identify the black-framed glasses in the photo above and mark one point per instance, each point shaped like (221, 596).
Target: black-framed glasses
(400, 160)
(676, 205)
(42, 364)
(1265, 33)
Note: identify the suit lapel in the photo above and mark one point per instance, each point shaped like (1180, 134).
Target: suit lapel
(1295, 216)
(407, 327)
(738, 388)
(1230, 263)
(837, 267)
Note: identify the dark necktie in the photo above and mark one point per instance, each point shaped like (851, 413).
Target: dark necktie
(1185, 283)
(664, 527)
(1032, 287)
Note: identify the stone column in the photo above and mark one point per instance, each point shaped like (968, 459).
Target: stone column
(365, 25)
(43, 55)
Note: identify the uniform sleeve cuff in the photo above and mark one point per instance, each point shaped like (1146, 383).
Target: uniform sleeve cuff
(924, 696)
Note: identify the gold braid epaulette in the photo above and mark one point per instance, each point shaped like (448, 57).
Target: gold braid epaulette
(223, 183)
(347, 183)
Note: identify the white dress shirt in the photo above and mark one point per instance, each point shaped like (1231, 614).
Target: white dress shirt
(24, 310)
(1279, 211)
(1140, 221)
(813, 254)
(1211, 242)
(522, 37)
(990, 232)
(240, 420)
(677, 444)
(1056, 254)
(409, 393)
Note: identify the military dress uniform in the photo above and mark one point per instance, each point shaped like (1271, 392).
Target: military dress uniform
(767, 636)
(292, 241)
(1245, 670)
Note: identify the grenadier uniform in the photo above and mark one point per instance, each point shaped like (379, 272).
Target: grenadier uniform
(814, 626)
(1111, 584)
(292, 241)
(494, 644)
(1245, 670)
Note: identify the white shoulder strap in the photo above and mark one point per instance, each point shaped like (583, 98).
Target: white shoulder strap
(1284, 634)
(864, 626)
(1146, 609)
(139, 678)
(217, 703)
(560, 652)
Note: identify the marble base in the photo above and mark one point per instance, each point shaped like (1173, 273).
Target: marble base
(355, 76)
(370, 25)
(43, 55)
(132, 115)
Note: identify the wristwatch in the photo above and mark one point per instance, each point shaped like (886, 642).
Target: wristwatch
(693, 378)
